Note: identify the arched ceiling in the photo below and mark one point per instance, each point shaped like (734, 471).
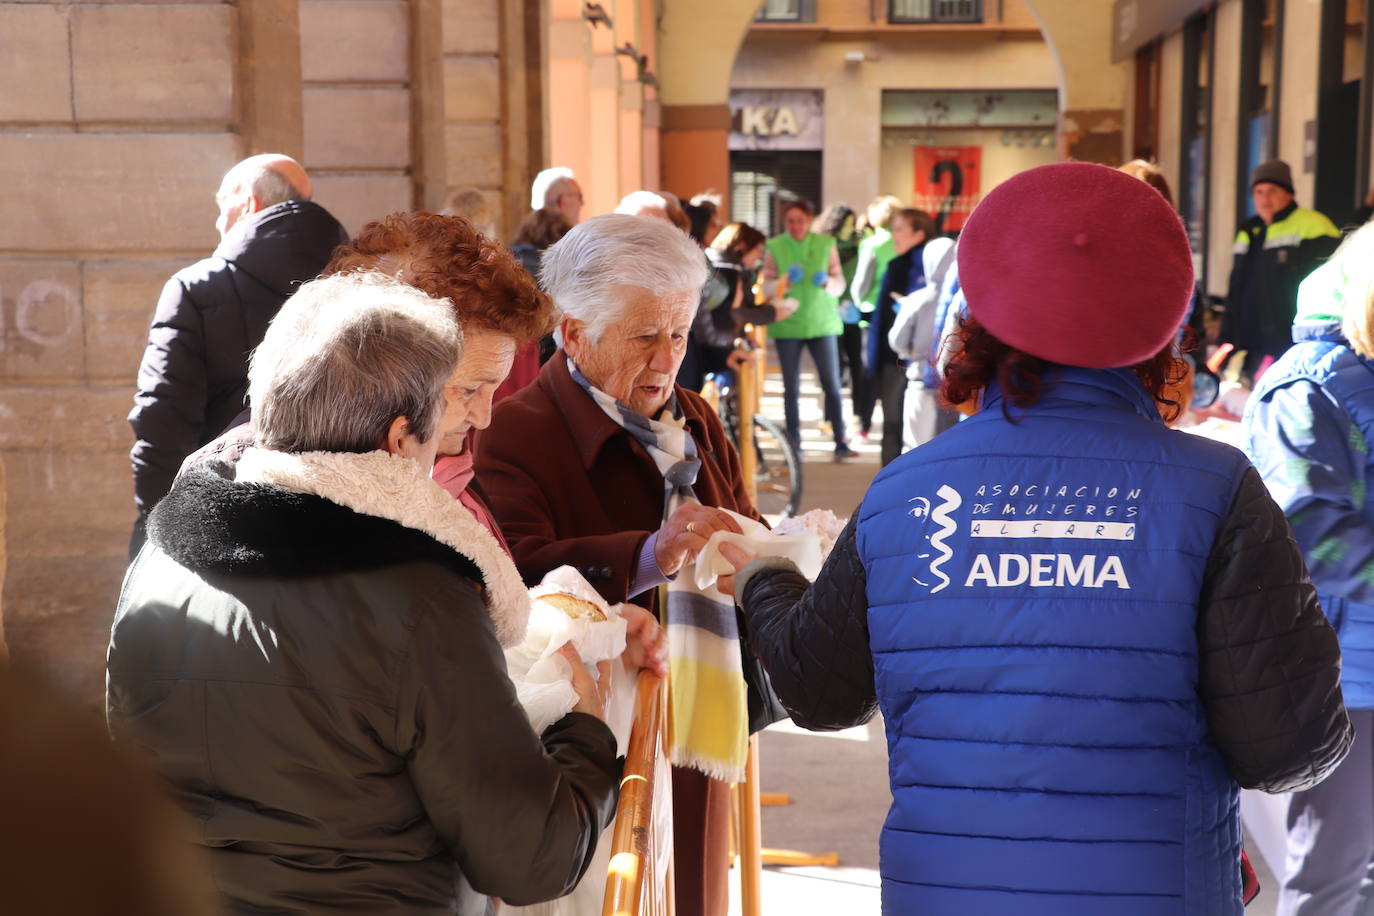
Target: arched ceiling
(699, 39)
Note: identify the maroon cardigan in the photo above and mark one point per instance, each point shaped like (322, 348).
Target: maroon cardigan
(569, 486)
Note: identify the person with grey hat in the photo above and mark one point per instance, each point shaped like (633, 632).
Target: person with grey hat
(1275, 249)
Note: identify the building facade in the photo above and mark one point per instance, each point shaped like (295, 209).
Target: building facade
(1219, 87)
(934, 102)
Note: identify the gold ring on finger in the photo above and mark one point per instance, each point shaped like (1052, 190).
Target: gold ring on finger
(691, 527)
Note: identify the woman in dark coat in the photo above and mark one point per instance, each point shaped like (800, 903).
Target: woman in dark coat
(310, 647)
(728, 298)
(905, 274)
(1085, 630)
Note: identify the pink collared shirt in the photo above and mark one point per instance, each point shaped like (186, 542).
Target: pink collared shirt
(454, 473)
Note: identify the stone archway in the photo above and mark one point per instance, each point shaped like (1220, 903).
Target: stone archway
(698, 41)
(1091, 101)
(695, 63)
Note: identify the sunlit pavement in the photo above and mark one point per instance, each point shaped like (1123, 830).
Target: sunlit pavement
(838, 781)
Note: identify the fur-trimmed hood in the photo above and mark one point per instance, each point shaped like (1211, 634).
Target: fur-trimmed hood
(287, 515)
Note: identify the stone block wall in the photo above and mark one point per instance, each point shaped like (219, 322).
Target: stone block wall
(492, 116)
(116, 122)
(357, 106)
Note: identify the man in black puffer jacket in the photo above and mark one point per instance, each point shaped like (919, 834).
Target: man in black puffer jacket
(193, 378)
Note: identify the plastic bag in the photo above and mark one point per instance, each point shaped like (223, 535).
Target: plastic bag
(542, 680)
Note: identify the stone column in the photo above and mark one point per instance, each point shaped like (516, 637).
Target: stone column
(695, 151)
(357, 107)
(697, 45)
(492, 102)
(1092, 88)
(4, 650)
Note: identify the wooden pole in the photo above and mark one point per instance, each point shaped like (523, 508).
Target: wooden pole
(751, 837)
(631, 874)
(760, 335)
(747, 400)
(746, 796)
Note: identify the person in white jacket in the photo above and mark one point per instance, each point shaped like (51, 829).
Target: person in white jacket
(911, 338)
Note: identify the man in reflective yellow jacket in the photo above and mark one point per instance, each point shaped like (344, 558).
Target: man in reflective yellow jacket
(1275, 250)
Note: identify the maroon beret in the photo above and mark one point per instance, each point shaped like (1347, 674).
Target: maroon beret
(1078, 264)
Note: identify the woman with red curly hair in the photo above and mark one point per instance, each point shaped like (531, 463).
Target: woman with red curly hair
(500, 308)
(1085, 630)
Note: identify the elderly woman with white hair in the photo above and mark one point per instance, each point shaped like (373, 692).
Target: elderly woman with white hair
(310, 646)
(605, 465)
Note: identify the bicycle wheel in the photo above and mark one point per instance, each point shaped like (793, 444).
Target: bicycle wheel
(779, 474)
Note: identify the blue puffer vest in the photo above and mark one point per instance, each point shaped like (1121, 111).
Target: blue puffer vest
(1335, 431)
(1033, 591)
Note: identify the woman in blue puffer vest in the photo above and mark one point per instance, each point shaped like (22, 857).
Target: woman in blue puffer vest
(1084, 630)
(1308, 427)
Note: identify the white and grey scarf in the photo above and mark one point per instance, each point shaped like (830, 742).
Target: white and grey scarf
(708, 711)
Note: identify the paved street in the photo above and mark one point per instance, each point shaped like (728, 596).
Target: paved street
(838, 781)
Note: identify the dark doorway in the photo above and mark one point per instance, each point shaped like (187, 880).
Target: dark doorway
(1338, 119)
(759, 177)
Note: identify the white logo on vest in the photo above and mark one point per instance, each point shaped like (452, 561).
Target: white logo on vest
(1034, 511)
(950, 500)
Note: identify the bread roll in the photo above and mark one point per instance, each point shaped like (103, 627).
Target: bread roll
(574, 607)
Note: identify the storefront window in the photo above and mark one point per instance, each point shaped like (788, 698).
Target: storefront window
(944, 149)
(1339, 110)
(918, 11)
(787, 11)
(1147, 81)
(1258, 96)
(1198, 34)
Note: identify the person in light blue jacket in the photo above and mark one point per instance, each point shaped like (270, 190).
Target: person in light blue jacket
(1308, 426)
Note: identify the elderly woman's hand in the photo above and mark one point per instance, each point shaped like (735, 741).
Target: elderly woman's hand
(686, 531)
(645, 646)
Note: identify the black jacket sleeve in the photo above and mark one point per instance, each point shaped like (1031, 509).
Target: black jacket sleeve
(813, 641)
(168, 417)
(1270, 664)
(521, 813)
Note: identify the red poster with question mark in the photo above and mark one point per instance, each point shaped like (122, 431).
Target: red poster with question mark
(947, 183)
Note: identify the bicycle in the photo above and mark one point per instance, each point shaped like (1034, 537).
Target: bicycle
(778, 473)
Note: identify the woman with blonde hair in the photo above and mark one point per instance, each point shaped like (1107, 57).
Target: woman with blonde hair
(1308, 427)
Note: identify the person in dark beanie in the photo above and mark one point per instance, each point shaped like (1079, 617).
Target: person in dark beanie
(194, 375)
(1085, 631)
(1275, 249)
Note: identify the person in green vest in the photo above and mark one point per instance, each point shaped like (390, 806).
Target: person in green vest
(811, 267)
(838, 221)
(876, 250)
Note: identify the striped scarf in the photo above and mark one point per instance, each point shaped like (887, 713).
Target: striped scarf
(708, 717)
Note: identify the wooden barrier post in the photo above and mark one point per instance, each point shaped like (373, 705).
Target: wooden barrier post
(760, 337)
(631, 876)
(746, 796)
(746, 405)
(751, 836)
